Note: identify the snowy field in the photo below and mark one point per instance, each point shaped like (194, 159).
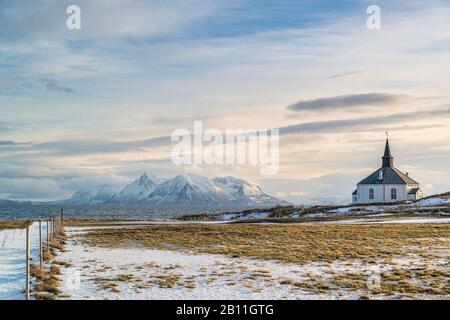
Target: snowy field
(142, 273)
(134, 271)
(13, 258)
(137, 272)
(432, 206)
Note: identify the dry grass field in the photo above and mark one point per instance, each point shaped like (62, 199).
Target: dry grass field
(370, 244)
(14, 224)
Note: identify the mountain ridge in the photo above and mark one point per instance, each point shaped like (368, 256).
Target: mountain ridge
(183, 189)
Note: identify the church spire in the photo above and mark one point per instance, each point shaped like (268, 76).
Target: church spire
(388, 160)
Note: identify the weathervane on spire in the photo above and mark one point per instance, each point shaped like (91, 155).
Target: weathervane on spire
(387, 134)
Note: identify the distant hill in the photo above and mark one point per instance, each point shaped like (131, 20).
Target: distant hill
(13, 203)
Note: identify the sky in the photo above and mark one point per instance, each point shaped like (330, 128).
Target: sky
(84, 108)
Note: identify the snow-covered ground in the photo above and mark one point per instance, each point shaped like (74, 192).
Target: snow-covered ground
(255, 215)
(203, 276)
(13, 258)
(387, 219)
(200, 276)
(135, 272)
(426, 206)
(432, 202)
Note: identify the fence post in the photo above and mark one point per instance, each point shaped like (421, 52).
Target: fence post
(27, 287)
(62, 216)
(40, 246)
(48, 238)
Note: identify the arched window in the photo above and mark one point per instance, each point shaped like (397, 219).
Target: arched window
(371, 194)
(394, 194)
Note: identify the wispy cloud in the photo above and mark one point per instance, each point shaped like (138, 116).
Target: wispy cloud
(8, 126)
(86, 147)
(346, 74)
(102, 19)
(53, 85)
(348, 102)
(364, 124)
(13, 143)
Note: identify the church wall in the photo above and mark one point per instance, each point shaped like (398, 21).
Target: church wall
(382, 193)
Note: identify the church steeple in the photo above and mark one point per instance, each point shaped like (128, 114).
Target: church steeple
(388, 160)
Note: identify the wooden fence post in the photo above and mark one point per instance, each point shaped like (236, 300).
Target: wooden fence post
(48, 237)
(41, 258)
(27, 287)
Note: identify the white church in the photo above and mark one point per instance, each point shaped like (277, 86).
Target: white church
(387, 184)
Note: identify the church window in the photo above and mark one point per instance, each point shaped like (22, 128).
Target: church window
(371, 194)
(394, 194)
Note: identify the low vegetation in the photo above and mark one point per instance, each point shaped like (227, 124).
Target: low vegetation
(47, 277)
(14, 224)
(289, 243)
(370, 244)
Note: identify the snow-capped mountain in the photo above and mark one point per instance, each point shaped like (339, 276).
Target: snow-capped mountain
(104, 194)
(184, 190)
(187, 189)
(242, 191)
(139, 190)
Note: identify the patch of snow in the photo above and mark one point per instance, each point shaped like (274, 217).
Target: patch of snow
(13, 258)
(387, 220)
(213, 276)
(209, 276)
(432, 202)
(341, 210)
(295, 214)
(240, 216)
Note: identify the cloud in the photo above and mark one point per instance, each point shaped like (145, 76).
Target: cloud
(347, 101)
(101, 19)
(31, 189)
(346, 74)
(53, 85)
(96, 146)
(8, 126)
(400, 121)
(317, 190)
(12, 143)
(363, 124)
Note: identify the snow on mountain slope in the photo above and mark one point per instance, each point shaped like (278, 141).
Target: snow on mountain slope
(186, 189)
(243, 191)
(104, 194)
(139, 190)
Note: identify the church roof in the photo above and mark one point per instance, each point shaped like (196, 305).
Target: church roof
(390, 175)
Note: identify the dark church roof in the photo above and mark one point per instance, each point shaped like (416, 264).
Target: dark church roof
(390, 174)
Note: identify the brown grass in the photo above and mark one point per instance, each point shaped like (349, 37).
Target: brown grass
(14, 224)
(289, 243)
(301, 244)
(97, 222)
(47, 287)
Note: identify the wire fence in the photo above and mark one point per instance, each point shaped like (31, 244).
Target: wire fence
(19, 249)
